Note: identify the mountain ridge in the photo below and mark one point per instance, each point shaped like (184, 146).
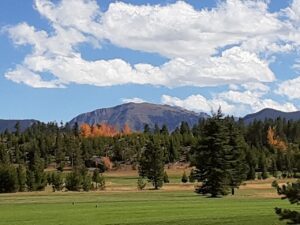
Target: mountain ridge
(10, 124)
(136, 115)
(269, 113)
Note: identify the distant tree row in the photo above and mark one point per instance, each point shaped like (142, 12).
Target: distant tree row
(216, 147)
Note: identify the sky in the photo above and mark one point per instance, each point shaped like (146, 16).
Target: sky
(60, 58)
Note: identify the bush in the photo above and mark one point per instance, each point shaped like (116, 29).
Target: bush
(102, 182)
(192, 176)
(141, 184)
(166, 177)
(87, 183)
(73, 181)
(8, 179)
(184, 178)
(259, 176)
(297, 175)
(36, 180)
(265, 175)
(57, 181)
(274, 184)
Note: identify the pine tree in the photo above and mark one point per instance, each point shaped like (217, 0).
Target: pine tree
(156, 129)
(237, 166)
(73, 181)
(192, 176)
(87, 183)
(96, 177)
(21, 174)
(57, 181)
(184, 178)
(147, 129)
(292, 193)
(36, 178)
(151, 164)
(164, 130)
(211, 164)
(8, 179)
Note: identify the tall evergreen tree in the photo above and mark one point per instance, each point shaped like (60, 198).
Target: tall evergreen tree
(151, 164)
(237, 166)
(211, 164)
(21, 174)
(8, 179)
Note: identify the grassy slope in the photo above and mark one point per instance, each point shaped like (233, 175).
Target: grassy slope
(176, 204)
(146, 207)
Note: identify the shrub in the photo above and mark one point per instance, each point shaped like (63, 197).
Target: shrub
(87, 183)
(184, 178)
(8, 179)
(192, 176)
(102, 182)
(73, 181)
(166, 177)
(259, 176)
(57, 181)
(141, 184)
(265, 175)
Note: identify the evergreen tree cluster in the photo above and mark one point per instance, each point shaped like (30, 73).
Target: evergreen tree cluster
(256, 150)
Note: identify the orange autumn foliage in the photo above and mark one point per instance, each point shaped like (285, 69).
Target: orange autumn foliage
(85, 130)
(126, 130)
(276, 142)
(103, 130)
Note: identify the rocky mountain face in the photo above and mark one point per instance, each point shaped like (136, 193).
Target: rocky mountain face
(136, 115)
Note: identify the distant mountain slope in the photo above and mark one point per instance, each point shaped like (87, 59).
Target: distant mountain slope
(271, 114)
(136, 115)
(10, 124)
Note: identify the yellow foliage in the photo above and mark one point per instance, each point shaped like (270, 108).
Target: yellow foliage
(103, 130)
(276, 142)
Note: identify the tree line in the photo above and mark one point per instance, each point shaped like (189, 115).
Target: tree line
(217, 147)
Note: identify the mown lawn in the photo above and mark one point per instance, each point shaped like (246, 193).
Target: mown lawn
(140, 207)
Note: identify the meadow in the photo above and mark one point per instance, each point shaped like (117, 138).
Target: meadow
(121, 203)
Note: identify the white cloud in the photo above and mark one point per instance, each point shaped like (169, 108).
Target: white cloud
(256, 87)
(255, 101)
(179, 30)
(290, 88)
(22, 74)
(82, 15)
(204, 47)
(134, 100)
(294, 11)
(198, 103)
(232, 102)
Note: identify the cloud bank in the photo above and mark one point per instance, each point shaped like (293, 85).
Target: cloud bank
(231, 44)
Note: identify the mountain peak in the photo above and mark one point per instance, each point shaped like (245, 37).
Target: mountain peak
(269, 113)
(136, 115)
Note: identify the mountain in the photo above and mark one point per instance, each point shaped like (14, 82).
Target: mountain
(271, 114)
(136, 115)
(10, 124)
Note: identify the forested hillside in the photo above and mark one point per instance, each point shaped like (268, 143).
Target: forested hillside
(268, 148)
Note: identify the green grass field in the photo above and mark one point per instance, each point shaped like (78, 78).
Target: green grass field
(247, 207)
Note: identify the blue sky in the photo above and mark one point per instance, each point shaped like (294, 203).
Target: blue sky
(61, 58)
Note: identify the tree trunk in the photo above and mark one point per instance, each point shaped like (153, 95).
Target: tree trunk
(232, 191)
